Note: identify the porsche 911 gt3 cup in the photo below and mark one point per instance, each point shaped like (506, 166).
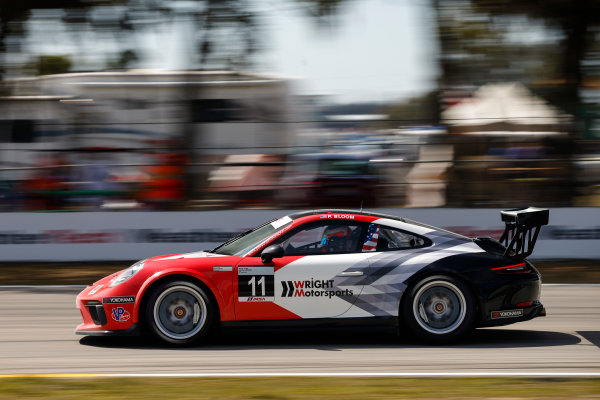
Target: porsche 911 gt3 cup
(328, 266)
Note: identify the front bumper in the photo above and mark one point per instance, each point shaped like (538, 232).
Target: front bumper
(106, 310)
(134, 330)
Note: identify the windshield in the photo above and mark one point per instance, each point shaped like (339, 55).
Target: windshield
(242, 244)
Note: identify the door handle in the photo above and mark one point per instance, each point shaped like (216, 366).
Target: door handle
(350, 273)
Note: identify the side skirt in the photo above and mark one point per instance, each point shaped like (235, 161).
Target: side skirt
(315, 322)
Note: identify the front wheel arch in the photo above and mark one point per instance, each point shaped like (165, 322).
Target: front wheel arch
(148, 292)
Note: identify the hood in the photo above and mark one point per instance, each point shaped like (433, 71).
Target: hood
(197, 254)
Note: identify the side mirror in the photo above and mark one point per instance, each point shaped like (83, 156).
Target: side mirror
(271, 252)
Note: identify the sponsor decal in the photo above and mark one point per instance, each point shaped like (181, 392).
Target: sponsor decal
(118, 300)
(256, 300)
(568, 233)
(222, 268)
(62, 236)
(119, 314)
(507, 313)
(75, 236)
(256, 284)
(94, 290)
(182, 236)
(324, 288)
(337, 216)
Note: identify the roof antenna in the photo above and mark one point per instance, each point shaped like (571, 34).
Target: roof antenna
(361, 204)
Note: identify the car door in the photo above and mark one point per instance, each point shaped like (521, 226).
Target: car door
(321, 274)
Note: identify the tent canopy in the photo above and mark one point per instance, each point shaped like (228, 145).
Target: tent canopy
(503, 108)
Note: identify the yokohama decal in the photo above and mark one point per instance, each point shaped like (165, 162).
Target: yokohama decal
(507, 314)
(118, 300)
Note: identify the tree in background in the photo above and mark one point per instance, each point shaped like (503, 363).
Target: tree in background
(124, 61)
(223, 33)
(14, 16)
(550, 45)
(55, 64)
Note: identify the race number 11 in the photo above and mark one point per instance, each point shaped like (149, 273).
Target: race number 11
(256, 284)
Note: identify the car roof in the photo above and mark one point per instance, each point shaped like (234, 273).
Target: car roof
(372, 214)
(343, 211)
(360, 212)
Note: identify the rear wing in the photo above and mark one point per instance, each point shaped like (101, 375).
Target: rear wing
(522, 229)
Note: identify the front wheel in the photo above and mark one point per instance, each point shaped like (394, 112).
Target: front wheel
(439, 309)
(179, 312)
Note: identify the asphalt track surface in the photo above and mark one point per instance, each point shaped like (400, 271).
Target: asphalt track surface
(37, 337)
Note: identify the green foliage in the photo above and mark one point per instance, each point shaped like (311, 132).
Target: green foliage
(553, 9)
(53, 64)
(417, 110)
(124, 61)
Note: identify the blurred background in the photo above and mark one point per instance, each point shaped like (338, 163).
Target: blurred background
(220, 104)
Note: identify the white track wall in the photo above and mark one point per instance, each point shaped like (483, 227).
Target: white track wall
(103, 236)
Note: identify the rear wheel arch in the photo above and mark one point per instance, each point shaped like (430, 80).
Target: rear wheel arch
(413, 280)
(417, 286)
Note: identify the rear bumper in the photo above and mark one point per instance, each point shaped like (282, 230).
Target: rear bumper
(511, 297)
(505, 317)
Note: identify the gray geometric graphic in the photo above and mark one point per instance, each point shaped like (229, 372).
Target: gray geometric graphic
(385, 278)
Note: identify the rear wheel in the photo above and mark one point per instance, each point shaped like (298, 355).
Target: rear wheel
(179, 312)
(439, 309)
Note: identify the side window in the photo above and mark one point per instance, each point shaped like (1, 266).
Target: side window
(382, 238)
(324, 238)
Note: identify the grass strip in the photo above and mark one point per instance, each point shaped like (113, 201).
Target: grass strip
(300, 388)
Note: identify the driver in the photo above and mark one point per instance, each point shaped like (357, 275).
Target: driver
(336, 238)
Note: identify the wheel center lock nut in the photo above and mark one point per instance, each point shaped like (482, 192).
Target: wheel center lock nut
(180, 312)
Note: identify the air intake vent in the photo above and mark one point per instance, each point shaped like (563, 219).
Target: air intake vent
(97, 312)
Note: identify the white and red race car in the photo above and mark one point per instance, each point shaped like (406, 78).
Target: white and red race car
(328, 266)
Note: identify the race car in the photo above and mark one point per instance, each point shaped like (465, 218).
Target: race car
(328, 266)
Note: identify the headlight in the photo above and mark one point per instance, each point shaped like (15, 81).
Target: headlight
(128, 273)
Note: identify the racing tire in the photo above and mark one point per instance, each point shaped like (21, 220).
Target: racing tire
(179, 313)
(439, 310)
